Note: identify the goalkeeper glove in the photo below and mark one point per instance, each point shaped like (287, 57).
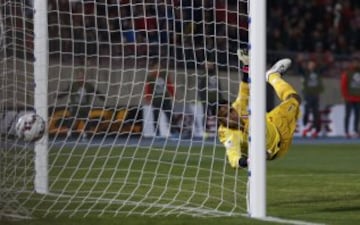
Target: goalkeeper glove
(243, 56)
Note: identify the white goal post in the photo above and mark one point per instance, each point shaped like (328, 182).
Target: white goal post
(91, 69)
(257, 167)
(41, 64)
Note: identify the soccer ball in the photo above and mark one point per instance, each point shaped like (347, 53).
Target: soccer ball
(30, 127)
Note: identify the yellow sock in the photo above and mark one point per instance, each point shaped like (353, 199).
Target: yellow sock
(282, 88)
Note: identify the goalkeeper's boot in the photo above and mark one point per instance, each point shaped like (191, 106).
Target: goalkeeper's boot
(243, 56)
(279, 67)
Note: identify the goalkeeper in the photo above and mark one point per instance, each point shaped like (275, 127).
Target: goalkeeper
(233, 120)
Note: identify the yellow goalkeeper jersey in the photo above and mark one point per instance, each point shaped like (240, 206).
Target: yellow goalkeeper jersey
(236, 141)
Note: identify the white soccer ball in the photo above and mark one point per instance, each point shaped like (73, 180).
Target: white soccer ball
(30, 127)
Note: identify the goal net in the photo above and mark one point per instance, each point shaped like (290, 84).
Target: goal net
(132, 90)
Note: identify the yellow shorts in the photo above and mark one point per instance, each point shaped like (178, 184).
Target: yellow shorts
(285, 117)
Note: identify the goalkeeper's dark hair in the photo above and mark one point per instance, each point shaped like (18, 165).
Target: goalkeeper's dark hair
(223, 111)
(222, 103)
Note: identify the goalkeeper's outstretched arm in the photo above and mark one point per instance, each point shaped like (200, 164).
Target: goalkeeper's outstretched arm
(233, 126)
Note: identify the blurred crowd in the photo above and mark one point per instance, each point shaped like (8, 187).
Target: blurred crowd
(187, 30)
(312, 25)
(324, 31)
(198, 31)
(192, 31)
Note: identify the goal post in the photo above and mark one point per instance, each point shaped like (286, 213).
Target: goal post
(41, 65)
(115, 144)
(257, 167)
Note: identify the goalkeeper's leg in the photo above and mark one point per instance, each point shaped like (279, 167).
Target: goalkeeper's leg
(282, 88)
(285, 115)
(274, 76)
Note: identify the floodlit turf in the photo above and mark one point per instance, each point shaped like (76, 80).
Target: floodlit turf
(319, 183)
(313, 183)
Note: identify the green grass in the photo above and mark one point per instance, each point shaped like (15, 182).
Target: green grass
(314, 183)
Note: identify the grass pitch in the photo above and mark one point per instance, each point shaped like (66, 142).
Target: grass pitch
(318, 183)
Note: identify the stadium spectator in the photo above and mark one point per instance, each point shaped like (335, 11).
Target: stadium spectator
(280, 122)
(81, 96)
(350, 89)
(312, 87)
(159, 93)
(183, 121)
(209, 91)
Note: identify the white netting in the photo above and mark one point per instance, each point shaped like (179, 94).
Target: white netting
(109, 64)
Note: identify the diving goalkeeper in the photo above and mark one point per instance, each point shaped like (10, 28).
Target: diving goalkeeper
(233, 120)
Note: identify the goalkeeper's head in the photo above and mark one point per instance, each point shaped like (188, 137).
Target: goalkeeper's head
(228, 116)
